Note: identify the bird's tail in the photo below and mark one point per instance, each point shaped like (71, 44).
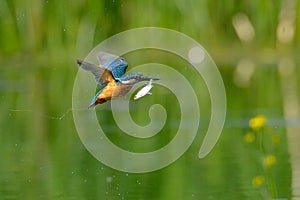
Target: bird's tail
(92, 105)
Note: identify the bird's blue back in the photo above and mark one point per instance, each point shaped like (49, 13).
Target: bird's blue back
(113, 63)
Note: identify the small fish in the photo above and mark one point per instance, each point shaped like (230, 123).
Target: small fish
(144, 91)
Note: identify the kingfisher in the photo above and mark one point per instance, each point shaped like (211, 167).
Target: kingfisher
(110, 74)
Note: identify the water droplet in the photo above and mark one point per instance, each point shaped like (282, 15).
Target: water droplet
(109, 179)
(196, 55)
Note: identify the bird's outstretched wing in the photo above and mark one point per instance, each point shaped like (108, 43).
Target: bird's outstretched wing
(115, 64)
(102, 75)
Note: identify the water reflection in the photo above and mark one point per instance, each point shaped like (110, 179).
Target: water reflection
(62, 168)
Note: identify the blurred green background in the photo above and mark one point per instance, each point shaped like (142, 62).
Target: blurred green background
(255, 44)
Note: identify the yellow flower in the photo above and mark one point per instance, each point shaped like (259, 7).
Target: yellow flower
(249, 137)
(269, 160)
(257, 181)
(257, 122)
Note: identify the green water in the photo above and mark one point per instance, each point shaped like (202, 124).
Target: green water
(42, 156)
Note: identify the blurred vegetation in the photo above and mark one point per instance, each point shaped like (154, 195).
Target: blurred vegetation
(42, 156)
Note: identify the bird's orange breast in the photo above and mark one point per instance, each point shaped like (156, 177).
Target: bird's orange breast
(107, 92)
(113, 90)
(107, 76)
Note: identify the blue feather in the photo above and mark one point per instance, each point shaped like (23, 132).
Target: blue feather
(118, 67)
(131, 76)
(95, 98)
(113, 63)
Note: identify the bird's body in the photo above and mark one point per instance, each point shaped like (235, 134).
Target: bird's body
(111, 75)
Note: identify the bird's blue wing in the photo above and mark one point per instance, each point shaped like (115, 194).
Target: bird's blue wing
(94, 69)
(105, 59)
(113, 63)
(118, 68)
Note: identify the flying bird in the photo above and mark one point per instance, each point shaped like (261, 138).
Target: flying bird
(110, 74)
